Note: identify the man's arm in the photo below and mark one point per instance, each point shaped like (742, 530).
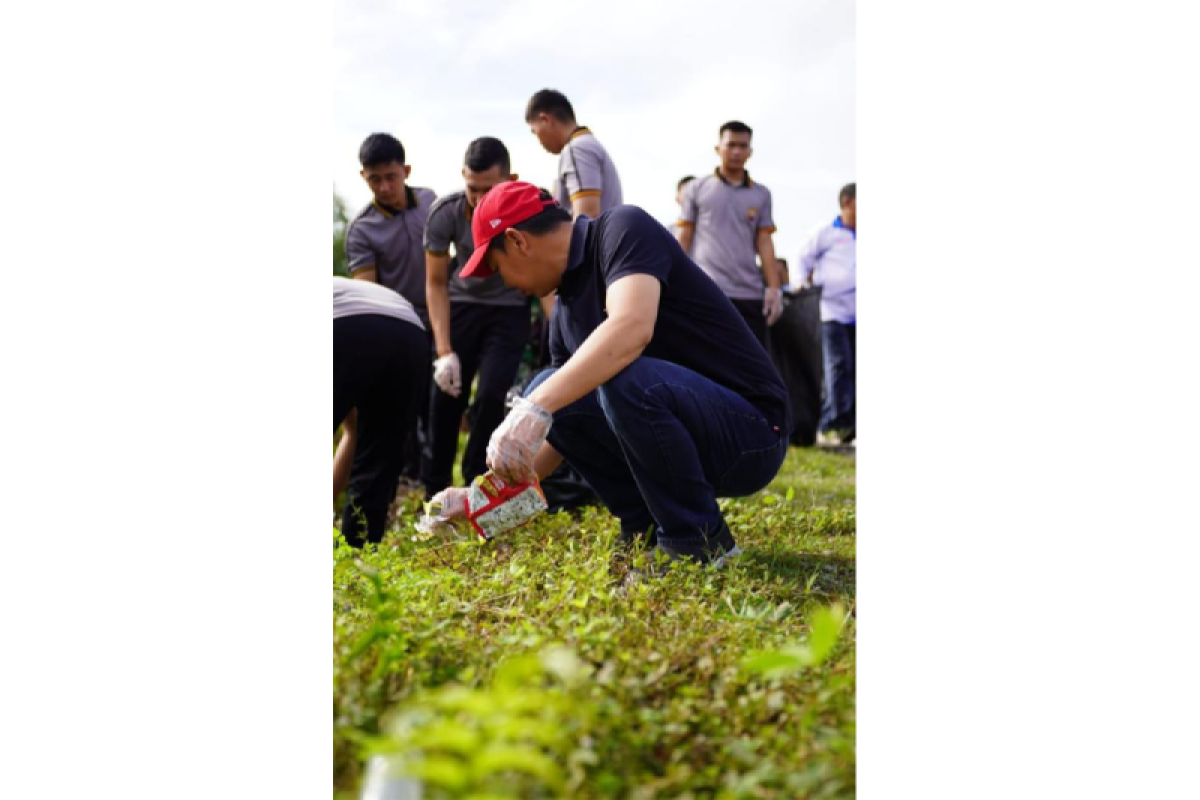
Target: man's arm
(546, 460)
(685, 234)
(437, 300)
(632, 305)
(360, 257)
(765, 246)
(808, 259)
(772, 295)
(585, 203)
(685, 227)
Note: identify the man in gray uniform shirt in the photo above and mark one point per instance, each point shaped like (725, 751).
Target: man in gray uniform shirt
(384, 240)
(586, 181)
(384, 245)
(479, 325)
(725, 219)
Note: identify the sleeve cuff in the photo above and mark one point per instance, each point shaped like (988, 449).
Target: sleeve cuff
(585, 193)
(437, 252)
(767, 228)
(683, 223)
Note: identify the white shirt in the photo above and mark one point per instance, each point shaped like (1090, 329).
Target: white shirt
(831, 255)
(352, 297)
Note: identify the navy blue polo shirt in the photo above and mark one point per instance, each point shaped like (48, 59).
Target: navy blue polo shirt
(697, 328)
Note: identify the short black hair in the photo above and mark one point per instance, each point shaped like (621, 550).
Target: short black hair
(733, 126)
(379, 149)
(846, 194)
(485, 153)
(544, 221)
(552, 102)
(684, 181)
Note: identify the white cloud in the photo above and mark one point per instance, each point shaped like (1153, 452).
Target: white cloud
(654, 81)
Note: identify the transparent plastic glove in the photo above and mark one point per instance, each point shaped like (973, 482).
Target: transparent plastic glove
(516, 441)
(772, 305)
(447, 374)
(443, 510)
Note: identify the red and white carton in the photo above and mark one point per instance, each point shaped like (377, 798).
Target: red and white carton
(494, 506)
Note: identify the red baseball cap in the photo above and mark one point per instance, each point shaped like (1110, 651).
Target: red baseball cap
(505, 205)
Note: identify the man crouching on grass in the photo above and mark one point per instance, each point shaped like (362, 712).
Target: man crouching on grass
(657, 393)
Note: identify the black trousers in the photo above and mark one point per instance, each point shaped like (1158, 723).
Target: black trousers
(378, 362)
(416, 443)
(489, 340)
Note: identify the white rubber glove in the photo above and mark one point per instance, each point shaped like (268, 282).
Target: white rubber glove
(516, 441)
(447, 374)
(772, 305)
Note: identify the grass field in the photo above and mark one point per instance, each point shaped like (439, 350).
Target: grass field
(527, 668)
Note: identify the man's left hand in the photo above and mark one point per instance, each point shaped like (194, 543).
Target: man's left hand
(773, 306)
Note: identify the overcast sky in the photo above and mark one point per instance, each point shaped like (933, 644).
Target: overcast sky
(653, 80)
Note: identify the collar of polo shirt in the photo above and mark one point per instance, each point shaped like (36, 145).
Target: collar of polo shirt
(389, 212)
(747, 182)
(579, 131)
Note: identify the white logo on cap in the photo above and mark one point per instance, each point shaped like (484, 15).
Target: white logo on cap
(495, 224)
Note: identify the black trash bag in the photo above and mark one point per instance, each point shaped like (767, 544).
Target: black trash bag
(795, 346)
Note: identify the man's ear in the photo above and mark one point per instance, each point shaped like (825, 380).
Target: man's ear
(407, 171)
(514, 177)
(515, 239)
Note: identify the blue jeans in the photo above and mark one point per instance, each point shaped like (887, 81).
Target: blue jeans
(837, 412)
(660, 443)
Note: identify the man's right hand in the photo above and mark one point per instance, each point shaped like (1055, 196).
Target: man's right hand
(447, 374)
